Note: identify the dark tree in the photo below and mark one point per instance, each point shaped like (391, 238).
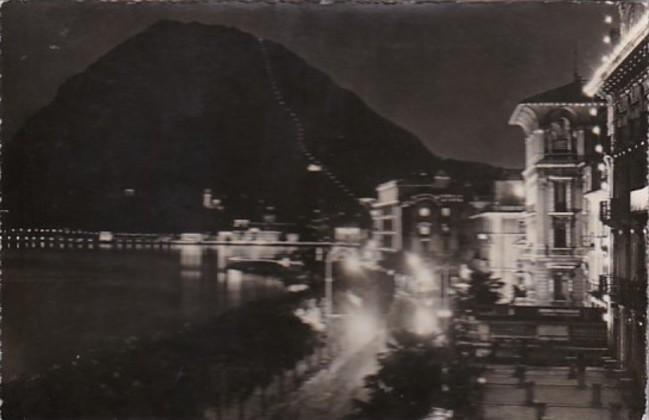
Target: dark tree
(416, 376)
(483, 290)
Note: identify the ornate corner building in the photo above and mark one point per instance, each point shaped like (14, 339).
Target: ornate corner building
(623, 80)
(561, 126)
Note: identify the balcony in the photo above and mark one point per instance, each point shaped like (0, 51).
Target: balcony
(615, 213)
(553, 251)
(558, 157)
(563, 211)
(566, 251)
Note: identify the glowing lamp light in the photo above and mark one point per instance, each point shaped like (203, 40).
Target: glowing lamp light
(444, 313)
(607, 39)
(413, 260)
(608, 19)
(314, 168)
(597, 130)
(353, 263)
(424, 322)
(481, 380)
(604, 58)
(605, 185)
(361, 327)
(296, 288)
(593, 112)
(599, 148)
(601, 167)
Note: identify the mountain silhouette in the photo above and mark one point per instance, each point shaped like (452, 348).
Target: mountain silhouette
(132, 142)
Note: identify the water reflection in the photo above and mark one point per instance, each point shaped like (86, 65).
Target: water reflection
(60, 303)
(191, 258)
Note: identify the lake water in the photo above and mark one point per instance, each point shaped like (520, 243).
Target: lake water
(60, 303)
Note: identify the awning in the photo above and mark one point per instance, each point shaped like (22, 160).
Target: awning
(640, 199)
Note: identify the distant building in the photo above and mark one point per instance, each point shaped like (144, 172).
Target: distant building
(500, 234)
(349, 234)
(623, 79)
(559, 127)
(596, 235)
(424, 215)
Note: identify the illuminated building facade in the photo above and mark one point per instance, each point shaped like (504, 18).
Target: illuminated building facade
(500, 233)
(623, 80)
(560, 125)
(422, 215)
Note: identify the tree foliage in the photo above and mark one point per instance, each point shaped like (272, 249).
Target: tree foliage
(414, 377)
(482, 290)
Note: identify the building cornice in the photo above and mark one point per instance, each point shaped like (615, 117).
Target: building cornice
(633, 38)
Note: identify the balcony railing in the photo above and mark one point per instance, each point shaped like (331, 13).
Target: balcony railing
(615, 213)
(560, 157)
(563, 251)
(564, 209)
(567, 251)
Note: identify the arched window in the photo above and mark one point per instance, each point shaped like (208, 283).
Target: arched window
(559, 136)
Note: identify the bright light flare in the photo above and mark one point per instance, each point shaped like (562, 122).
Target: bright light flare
(353, 263)
(361, 328)
(599, 148)
(413, 260)
(424, 321)
(444, 313)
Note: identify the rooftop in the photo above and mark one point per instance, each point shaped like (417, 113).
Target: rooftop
(570, 93)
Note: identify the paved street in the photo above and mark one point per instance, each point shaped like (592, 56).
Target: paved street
(329, 395)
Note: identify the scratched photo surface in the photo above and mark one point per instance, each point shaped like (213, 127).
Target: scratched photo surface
(324, 211)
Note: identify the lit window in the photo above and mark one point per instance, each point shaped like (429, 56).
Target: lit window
(446, 212)
(424, 211)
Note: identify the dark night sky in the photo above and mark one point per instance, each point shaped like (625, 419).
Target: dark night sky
(451, 73)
